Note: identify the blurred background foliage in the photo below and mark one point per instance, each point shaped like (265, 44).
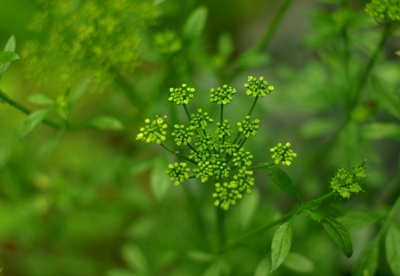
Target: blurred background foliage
(82, 197)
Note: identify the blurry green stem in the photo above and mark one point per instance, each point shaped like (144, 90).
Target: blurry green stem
(266, 38)
(52, 123)
(221, 214)
(261, 166)
(252, 106)
(177, 154)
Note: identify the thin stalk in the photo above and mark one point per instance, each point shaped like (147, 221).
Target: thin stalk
(261, 166)
(220, 220)
(186, 111)
(252, 106)
(177, 154)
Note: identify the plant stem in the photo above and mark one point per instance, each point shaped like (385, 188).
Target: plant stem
(60, 125)
(220, 219)
(177, 154)
(261, 166)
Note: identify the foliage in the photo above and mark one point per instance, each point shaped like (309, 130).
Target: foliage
(116, 157)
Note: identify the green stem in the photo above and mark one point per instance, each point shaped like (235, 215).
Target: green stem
(220, 219)
(267, 36)
(261, 166)
(177, 154)
(59, 125)
(252, 106)
(186, 111)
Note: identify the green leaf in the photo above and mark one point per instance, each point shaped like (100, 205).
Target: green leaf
(367, 263)
(135, 258)
(40, 99)
(281, 179)
(357, 219)
(31, 122)
(225, 46)
(10, 45)
(392, 244)
(281, 243)
(247, 208)
(120, 272)
(378, 131)
(252, 59)
(78, 92)
(388, 97)
(7, 57)
(339, 234)
(398, 52)
(263, 268)
(313, 214)
(160, 183)
(195, 23)
(201, 256)
(299, 263)
(106, 123)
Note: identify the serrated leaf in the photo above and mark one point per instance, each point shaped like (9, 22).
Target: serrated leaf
(367, 263)
(195, 23)
(31, 122)
(281, 243)
(281, 179)
(106, 123)
(339, 234)
(392, 245)
(160, 183)
(299, 263)
(40, 99)
(135, 258)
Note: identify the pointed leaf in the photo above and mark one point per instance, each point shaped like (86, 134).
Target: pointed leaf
(298, 263)
(160, 183)
(135, 258)
(78, 92)
(40, 99)
(281, 243)
(339, 234)
(280, 178)
(7, 57)
(358, 219)
(106, 123)
(392, 244)
(33, 120)
(368, 260)
(263, 268)
(194, 24)
(10, 47)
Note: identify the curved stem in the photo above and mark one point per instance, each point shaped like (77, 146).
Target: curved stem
(177, 154)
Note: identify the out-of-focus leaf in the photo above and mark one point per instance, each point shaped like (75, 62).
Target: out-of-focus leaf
(78, 92)
(106, 123)
(160, 183)
(339, 234)
(398, 52)
(7, 57)
(32, 121)
(377, 131)
(281, 179)
(388, 97)
(247, 208)
(120, 272)
(253, 59)
(316, 127)
(201, 256)
(194, 24)
(357, 219)
(135, 258)
(392, 245)
(298, 263)
(263, 268)
(40, 99)
(217, 268)
(281, 243)
(10, 47)
(368, 260)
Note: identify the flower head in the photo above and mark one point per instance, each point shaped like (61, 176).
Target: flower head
(282, 154)
(257, 88)
(248, 128)
(223, 95)
(200, 119)
(182, 134)
(153, 131)
(345, 183)
(385, 11)
(181, 95)
(178, 172)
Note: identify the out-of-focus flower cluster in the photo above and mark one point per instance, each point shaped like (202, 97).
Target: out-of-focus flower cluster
(384, 11)
(73, 38)
(214, 155)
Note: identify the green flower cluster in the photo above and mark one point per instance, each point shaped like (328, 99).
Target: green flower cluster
(345, 183)
(282, 154)
(75, 38)
(213, 154)
(154, 131)
(258, 88)
(384, 11)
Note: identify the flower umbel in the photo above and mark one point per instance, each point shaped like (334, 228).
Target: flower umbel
(345, 183)
(282, 154)
(258, 88)
(384, 11)
(178, 172)
(153, 131)
(181, 95)
(223, 95)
